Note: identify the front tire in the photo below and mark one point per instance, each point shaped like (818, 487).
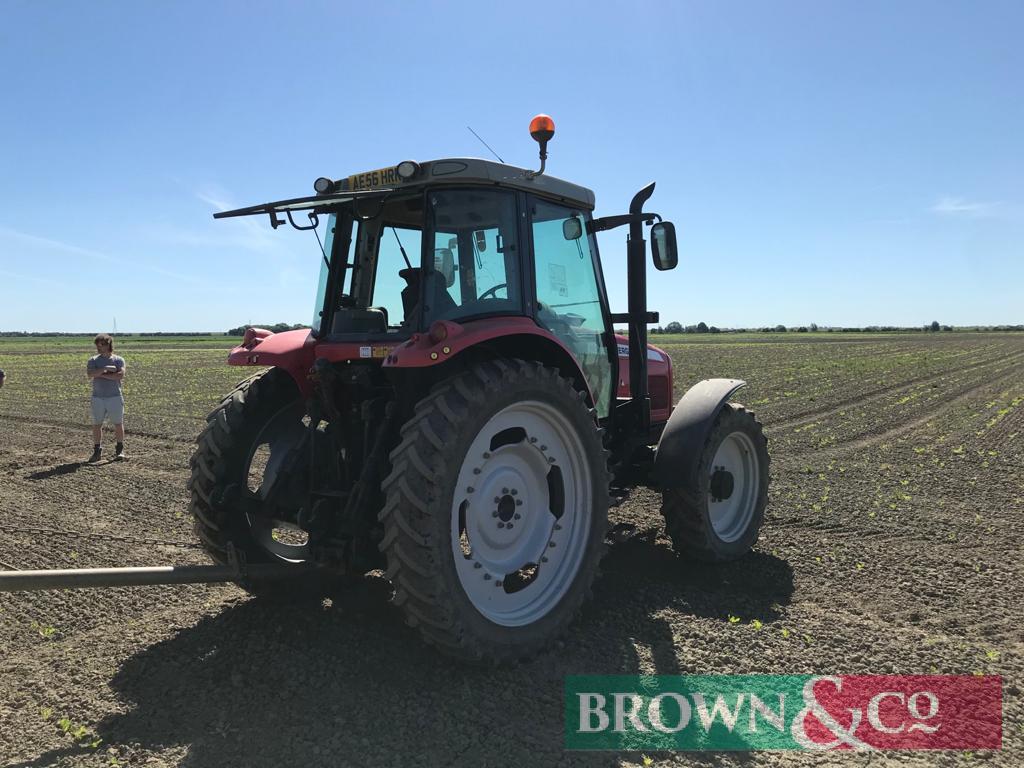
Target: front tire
(263, 414)
(720, 518)
(496, 511)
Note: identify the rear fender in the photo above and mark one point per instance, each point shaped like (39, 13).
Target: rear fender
(513, 337)
(678, 453)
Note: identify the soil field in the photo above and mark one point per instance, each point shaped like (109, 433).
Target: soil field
(892, 544)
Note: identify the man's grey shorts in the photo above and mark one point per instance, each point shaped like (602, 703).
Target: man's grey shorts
(108, 408)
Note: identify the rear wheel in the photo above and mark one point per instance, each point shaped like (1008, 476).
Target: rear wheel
(247, 448)
(496, 511)
(719, 519)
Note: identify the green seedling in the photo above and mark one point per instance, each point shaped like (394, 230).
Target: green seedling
(45, 631)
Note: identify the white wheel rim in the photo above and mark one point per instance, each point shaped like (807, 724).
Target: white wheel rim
(523, 498)
(732, 512)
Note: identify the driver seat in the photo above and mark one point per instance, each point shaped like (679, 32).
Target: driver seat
(439, 301)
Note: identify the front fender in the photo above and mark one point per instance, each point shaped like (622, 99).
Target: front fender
(293, 351)
(678, 453)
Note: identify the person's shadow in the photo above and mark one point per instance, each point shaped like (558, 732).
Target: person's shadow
(60, 469)
(347, 683)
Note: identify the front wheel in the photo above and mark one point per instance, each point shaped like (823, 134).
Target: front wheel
(496, 511)
(247, 448)
(720, 517)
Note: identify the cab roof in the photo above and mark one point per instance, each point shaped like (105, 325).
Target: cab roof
(472, 170)
(452, 170)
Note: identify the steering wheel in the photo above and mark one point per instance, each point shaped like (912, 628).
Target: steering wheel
(491, 290)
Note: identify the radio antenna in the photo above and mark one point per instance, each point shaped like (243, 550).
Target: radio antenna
(484, 143)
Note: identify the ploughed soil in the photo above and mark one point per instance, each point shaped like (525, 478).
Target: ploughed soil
(892, 544)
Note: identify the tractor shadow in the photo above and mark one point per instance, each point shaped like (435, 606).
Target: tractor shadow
(347, 682)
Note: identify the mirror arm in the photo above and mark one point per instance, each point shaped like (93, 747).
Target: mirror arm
(314, 221)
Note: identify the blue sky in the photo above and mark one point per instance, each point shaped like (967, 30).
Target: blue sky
(844, 163)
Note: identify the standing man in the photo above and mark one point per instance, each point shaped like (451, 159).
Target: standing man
(106, 371)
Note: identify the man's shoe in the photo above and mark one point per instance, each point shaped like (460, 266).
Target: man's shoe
(95, 457)
(120, 456)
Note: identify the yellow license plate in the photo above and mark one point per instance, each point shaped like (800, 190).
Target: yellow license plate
(384, 177)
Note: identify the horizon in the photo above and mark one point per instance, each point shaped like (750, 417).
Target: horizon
(658, 330)
(823, 164)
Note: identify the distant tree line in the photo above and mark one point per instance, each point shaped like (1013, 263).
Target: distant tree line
(933, 327)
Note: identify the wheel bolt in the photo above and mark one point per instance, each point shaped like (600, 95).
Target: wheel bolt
(558, 527)
(477, 565)
(494, 513)
(510, 526)
(519, 502)
(501, 524)
(517, 516)
(543, 447)
(504, 490)
(487, 577)
(499, 583)
(476, 471)
(487, 455)
(469, 489)
(551, 543)
(543, 560)
(514, 492)
(497, 499)
(533, 439)
(551, 459)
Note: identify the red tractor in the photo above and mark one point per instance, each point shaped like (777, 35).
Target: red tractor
(462, 414)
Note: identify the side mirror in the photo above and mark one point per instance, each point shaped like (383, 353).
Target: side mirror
(481, 240)
(444, 262)
(572, 229)
(663, 245)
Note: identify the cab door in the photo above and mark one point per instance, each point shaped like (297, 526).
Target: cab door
(570, 298)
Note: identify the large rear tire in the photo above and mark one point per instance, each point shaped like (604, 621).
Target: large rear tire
(496, 511)
(720, 518)
(249, 434)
